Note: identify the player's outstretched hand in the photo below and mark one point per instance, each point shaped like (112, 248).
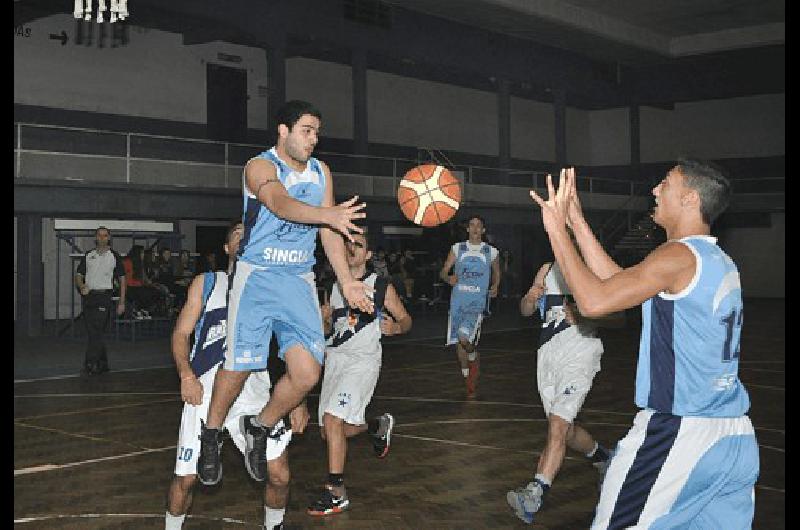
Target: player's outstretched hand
(493, 291)
(298, 418)
(341, 217)
(554, 209)
(534, 293)
(574, 209)
(191, 390)
(359, 295)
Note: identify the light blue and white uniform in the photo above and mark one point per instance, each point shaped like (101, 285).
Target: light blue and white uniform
(469, 297)
(205, 359)
(568, 357)
(691, 458)
(353, 361)
(272, 284)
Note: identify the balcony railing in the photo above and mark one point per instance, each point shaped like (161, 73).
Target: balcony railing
(92, 155)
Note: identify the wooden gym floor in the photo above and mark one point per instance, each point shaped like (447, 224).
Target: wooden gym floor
(98, 453)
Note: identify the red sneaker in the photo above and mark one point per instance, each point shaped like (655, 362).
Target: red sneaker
(472, 378)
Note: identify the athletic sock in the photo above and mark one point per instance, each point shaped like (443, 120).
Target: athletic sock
(273, 516)
(598, 454)
(543, 481)
(336, 479)
(465, 372)
(174, 522)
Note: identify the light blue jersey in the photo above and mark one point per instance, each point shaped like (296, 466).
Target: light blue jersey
(689, 350)
(210, 331)
(469, 297)
(275, 243)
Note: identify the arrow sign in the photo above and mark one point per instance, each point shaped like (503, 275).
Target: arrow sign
(62, 37)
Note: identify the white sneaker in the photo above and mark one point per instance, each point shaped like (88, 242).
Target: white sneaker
(526, 501)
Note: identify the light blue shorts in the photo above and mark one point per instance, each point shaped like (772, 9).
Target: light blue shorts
(262, 302)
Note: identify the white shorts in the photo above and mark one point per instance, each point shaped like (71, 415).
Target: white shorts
(565, 368)
(347, 385)
(251, 400)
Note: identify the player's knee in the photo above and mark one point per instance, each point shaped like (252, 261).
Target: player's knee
(331, 424)
(279, 475)
(558, 428)
(306, 377)
(186, 482)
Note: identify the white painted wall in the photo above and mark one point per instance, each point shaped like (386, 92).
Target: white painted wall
(153, 76)
(157, 76)
(329, 86)
(411, 112)
(727, 128)
(532, 130)
(610, 135)
(760, 254)
(579, 140)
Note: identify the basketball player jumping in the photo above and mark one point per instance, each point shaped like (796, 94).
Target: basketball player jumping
(288, 196)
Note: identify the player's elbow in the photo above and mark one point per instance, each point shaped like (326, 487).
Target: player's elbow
(593, 308)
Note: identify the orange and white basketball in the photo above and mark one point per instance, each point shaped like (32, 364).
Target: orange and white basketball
(429, 195)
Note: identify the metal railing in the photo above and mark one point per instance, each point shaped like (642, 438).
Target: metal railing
(127, 157)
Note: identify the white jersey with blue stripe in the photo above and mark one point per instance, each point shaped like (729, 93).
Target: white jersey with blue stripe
(275, 243)
(689, 350)
(210, 332)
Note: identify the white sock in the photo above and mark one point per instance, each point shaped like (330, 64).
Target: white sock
(472, 356)
(544, 480)
(173, 522)
(273, 516)
(591, 453)
(465, 371)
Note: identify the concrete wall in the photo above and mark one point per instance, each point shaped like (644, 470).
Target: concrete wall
(610, 136)
(760, 254)
(532, 130)
(412, 112)
(728, 128)
(155, 75)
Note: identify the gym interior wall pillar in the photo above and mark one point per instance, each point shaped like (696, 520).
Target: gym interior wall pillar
(30, 275)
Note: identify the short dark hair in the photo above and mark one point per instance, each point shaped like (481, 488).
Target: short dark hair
(293, 110)
(711, 184)
(478, 217)
(231, 229)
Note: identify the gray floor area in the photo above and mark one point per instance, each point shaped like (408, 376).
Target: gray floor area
(62, 356)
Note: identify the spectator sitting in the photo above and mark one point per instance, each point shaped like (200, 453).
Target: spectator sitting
(141, 291)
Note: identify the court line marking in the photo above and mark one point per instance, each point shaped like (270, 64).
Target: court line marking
(52, 467)
(72, 376)
(396, 398)
(529, 420)
(75, 435)
(38, 518)
(478, 446)
(97, 409)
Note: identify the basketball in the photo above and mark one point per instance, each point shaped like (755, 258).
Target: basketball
(429, 195)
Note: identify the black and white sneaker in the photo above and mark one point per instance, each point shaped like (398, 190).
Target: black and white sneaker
(209, 461)
(255, 438)
(328, 503)
(383, 438)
